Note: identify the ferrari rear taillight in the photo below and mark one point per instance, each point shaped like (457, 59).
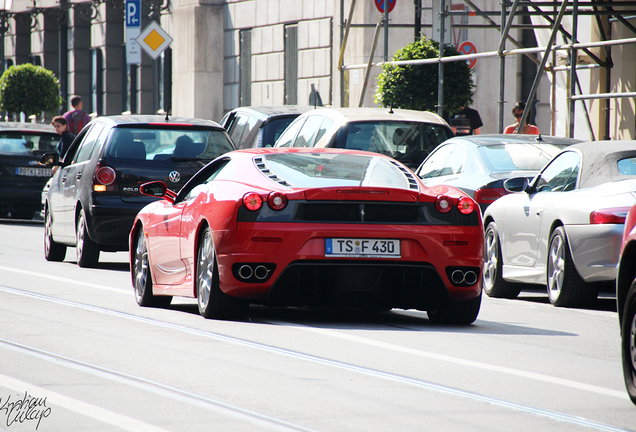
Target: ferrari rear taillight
(466, 205)
(488, 195)
(252, 201)
(609, 216)
(104, 176)
(277, 200)
(443, 204)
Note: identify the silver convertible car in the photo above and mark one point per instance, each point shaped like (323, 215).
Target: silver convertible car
(564, 228)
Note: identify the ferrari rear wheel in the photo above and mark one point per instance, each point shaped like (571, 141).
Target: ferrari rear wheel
(628, 342)
(87, 250)
(213, 303)
(456, 313)
(142, 277)
(493, 282)
(565, 287)
(53, 251)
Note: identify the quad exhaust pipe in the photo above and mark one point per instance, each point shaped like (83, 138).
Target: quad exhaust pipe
(459, 277)
(253, 272)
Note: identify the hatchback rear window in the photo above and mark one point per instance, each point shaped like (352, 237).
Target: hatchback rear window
(393, 137)
(170, 144)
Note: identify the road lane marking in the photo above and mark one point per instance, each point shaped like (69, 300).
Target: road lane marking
(256, 419)
(456, 360)
(553, 415)
(67, 280)
(57, 399)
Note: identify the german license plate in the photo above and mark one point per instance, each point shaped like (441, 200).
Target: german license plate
(374, 248)
(33, 172)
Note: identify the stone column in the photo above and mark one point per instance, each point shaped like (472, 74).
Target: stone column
(197, 58)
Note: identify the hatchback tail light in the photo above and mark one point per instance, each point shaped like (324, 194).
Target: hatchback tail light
(487, 195)
(615, 215)
(104, 178)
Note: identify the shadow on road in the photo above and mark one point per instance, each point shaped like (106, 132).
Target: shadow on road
(606, 300)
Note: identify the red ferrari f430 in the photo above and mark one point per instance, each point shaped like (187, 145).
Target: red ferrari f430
(304, 227)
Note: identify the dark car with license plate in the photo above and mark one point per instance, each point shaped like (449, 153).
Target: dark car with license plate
(94, 195)
(21, 176)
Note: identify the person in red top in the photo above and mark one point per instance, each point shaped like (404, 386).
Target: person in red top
(528, 129)
(76, 118)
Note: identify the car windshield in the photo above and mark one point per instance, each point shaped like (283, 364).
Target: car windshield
(167, 144)
(334, 169)
(26, 143)
(409, 142)
(513, 157)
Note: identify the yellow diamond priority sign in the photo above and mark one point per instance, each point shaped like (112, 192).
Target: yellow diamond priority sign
(154, 40)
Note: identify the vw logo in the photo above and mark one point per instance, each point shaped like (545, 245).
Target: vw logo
(174, 176)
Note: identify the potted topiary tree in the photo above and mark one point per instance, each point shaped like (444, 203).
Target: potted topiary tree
(29, 89)
(415, 86)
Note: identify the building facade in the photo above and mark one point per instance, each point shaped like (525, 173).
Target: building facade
(228, 53)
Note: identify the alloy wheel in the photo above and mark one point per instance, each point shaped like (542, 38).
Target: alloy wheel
(141, 266)
(556, 267)
(491, 261)
(205, 269)
(632, 342)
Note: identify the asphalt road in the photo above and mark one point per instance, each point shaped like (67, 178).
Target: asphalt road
(78, 354)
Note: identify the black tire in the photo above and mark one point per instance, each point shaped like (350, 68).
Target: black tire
(493, 282)
(87, 250)
(565, 286)
(628, 342)
(142, 277)
(53, 251)
(214, 303)
(456, 313)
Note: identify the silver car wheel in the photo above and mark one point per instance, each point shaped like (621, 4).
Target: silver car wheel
(205, 269)
(556, 268)
(491, 260)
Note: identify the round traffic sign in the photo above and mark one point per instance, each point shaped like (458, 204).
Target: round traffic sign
(380, 4)
(465, 48)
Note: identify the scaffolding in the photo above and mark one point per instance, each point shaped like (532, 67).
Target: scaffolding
(553, 13)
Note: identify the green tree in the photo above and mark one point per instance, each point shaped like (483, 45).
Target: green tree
(29, 89)
(415, 86)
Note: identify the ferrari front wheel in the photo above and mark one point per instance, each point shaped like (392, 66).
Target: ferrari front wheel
(493, 282)
(142, 279)
(628, 342)
(213, 303)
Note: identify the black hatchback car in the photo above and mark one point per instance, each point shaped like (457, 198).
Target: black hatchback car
(21, 176)
(94, 195)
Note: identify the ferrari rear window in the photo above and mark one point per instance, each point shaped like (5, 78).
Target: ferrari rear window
(336, 169)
